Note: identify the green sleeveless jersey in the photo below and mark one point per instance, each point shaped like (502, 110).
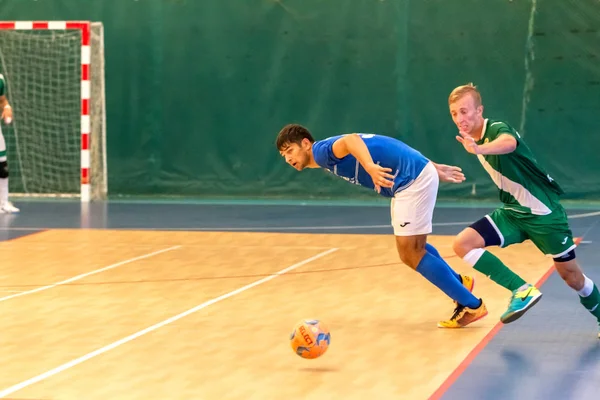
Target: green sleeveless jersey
(523, 184)
(2, 85)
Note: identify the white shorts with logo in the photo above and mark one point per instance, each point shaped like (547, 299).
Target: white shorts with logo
(412, 208)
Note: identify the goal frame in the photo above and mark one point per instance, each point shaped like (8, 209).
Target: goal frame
(85, 28)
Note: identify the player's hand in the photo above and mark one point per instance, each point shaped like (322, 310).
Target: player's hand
(7, 114)
(450, 173)
(381, 176)
(468, 142)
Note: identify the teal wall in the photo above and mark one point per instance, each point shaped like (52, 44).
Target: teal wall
(197, 89)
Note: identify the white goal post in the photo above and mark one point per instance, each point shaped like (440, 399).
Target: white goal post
(54, 75)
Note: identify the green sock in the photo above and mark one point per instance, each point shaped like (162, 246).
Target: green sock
(592, 302)
(488, 264)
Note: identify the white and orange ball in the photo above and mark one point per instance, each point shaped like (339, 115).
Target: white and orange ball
(310, 339)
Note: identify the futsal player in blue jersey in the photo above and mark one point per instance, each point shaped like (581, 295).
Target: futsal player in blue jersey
(397, 171)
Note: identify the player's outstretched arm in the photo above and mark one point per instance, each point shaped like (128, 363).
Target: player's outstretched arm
(503, 144)
(449, 173)
(354, 144)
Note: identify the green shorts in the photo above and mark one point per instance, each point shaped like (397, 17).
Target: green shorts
(550, 233)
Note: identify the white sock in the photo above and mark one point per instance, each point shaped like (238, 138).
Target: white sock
(588, 287)
(473, 256)
(3, 190)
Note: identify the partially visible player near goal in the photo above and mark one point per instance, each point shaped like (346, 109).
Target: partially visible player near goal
(5, 205)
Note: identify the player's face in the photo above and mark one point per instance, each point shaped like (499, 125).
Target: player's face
(297, 155)
(466, 114)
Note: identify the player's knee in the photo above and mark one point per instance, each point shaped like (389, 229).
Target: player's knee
(410, 252)
(411, 259)
(407, 259)
(478, 235)
(460, 247)
(464, 242)
(3, 170)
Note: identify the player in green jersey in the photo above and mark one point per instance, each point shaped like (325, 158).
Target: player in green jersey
(5, 205)
(531, 208)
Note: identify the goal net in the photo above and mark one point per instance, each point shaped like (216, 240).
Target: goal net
(54, 74)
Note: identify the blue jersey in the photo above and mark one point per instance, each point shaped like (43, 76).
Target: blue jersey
(405, 162)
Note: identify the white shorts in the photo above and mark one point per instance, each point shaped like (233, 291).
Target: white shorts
(2, 147)
(412, 208)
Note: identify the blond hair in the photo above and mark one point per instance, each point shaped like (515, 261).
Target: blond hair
(463, 90)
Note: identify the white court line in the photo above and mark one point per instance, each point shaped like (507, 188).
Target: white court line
(17, 228)
(311, 228)
(590, 214)
(136, 335)
(196, 245)
(295, 228)
(284, 228)
(344, 227)
(78, 277)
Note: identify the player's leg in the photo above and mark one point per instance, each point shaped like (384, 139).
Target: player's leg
(589, 296)
(412, 213)
(497, 229)
(5, 205)
(552, 235)
(470, 245)
(412, 251)
(468, 281)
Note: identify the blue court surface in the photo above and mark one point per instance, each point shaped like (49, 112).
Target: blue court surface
(552, 353)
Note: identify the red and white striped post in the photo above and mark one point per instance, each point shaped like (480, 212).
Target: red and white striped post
(84, 27)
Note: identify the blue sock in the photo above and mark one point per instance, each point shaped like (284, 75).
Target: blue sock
(433, 251)
(439, 273)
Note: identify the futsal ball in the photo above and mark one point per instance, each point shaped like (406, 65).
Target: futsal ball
(310, 339)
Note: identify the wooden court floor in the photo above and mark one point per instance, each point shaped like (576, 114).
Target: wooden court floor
(100, 314)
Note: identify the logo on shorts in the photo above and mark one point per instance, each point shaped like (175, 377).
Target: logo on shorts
(404, 224)
(565, 241)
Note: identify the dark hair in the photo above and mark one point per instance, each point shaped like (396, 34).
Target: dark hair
(292, 133)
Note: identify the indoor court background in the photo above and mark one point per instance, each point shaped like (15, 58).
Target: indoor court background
(186, 282)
